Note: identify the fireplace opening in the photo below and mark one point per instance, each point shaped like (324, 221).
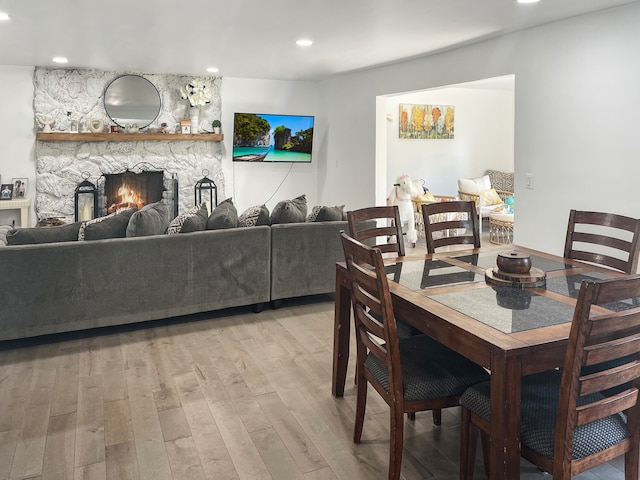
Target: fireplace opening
(129, 189)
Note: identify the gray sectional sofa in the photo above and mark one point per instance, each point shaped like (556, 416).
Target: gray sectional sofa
(59, 287)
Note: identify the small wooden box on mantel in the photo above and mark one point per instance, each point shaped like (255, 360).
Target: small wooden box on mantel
(185, 126)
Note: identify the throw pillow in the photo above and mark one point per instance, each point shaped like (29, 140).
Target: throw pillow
(193, 220)
(326, 214)
(113, 225)
(490, 197)
(152, 219)
(426, 197)
(290, 211)
(474, 185)
(60, 233)
(224, 215)
(253, 216)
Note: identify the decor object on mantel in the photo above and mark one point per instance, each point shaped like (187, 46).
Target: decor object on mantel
(47, 122)
(215, 125)
(96, 125)
(198, 95)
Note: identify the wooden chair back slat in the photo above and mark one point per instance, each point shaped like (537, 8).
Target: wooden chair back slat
(443, 233)
(588, 246)
(386, 234)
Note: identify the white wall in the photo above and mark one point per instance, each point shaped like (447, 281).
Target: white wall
(267, 183)
(575, 117)
(17, 133)
(484, 137)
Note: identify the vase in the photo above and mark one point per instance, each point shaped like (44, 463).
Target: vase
(195, 119)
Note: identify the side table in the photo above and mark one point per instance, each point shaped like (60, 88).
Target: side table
(23, 205)
(501, 228)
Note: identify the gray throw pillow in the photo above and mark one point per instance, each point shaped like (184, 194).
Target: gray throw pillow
(111, 226)
(60, 233)
(224, 215)
(152, 219)
(290, 211)
(193, 220)
(326, 214)
(254, 216)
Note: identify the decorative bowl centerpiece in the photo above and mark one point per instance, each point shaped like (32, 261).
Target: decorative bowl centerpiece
(514, 262)
(513, 269)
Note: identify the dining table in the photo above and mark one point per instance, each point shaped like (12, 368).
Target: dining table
(511, 330)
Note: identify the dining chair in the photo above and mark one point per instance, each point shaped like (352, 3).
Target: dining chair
(618, 234)
(587, 413)
(412, 374)
(450, 223)
(386, 234)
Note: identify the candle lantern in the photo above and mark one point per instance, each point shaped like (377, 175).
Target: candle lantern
(86, 200)
(205, 187)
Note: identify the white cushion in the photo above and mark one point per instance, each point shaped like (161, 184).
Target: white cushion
(474, 185)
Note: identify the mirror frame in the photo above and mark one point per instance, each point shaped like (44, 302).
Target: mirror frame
(142, 112)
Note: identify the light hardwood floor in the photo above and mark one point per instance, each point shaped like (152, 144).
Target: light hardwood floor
(225, 395)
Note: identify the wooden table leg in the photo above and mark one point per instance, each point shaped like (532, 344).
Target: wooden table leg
(505, 418)
(341, 332)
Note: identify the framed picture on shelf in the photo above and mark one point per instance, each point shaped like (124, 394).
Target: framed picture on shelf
(19, 188)
(6, 191)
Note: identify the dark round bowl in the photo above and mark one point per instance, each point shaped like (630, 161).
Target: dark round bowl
(514, 262)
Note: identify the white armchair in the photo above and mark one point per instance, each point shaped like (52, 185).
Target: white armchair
(480, 191)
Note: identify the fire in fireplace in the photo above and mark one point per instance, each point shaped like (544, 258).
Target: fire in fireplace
(128, 189)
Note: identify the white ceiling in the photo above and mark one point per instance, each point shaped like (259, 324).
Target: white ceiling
(255, 38)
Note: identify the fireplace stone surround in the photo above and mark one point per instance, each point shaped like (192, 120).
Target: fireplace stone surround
(60, 166)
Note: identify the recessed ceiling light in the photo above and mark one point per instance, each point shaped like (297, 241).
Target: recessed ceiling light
(304, 43)
(528, 1)
(60, 59)
(213, 70)
(4, 16)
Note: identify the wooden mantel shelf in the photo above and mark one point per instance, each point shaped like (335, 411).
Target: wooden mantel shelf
(124, 137)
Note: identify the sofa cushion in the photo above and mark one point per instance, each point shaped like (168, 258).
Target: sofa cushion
(490, 197)
(253, 216)
(501, 180)
(60, 233)
(193, 220)
(152, 219)
(326, 214)
(224, 215)
(290, 211)
(474, 185)
(113, 225)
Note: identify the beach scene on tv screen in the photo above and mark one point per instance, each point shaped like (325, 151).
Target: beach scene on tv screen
(272, 138)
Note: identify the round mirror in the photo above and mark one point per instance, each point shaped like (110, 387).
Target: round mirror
(132, 99)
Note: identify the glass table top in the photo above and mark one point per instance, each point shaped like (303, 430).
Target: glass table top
(488, 260)
(507, 309)
(418, 275)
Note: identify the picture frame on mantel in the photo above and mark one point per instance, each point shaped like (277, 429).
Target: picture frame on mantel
(19, 188)
(6, 191)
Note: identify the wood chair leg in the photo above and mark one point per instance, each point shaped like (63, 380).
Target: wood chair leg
(411, 416)
(468, 442)
(437, 416)
(361, 406)
(484, 437)
(396, 440)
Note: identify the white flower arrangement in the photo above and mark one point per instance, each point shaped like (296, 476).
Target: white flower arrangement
(196, 92)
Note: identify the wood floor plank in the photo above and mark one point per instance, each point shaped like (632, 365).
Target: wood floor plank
(60, 447)
(214, 456)
(29, 452)
(151, 453)
(117, 422)
(184, 459)
(95, 471)
(121, 462)
(8, 441)
(65, 390)
(275, 455)
(90, 443)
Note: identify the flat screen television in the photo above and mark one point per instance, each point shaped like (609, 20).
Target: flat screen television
(259, 137)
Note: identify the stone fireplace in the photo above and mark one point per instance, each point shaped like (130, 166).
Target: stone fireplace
(62, 165)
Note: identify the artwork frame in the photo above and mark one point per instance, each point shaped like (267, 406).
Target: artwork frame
(20, 186)
(6, 191)
(426, 122)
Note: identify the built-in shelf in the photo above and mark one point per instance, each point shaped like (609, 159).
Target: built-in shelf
(124, 137)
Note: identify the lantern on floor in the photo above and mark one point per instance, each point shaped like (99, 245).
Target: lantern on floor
(86, 199)
(207, 188)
